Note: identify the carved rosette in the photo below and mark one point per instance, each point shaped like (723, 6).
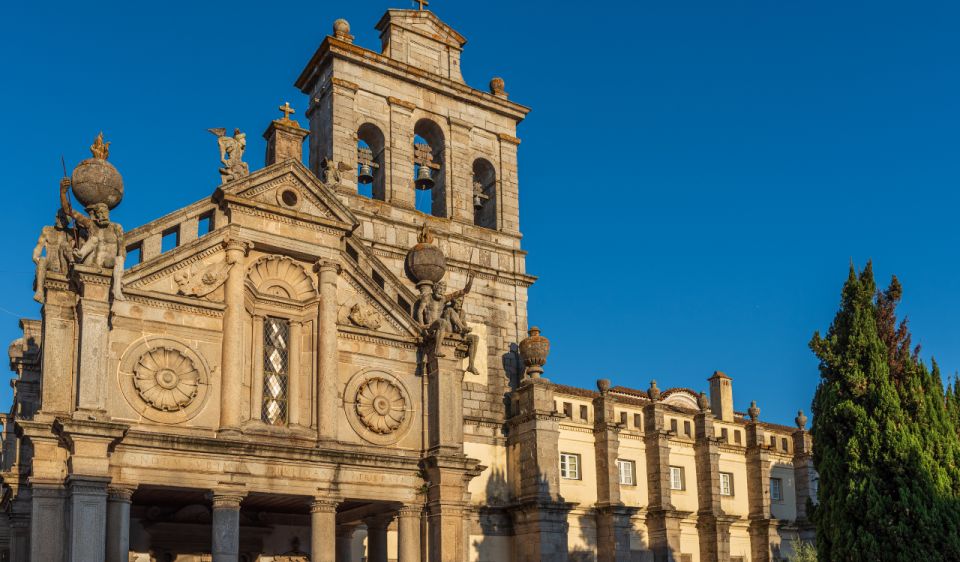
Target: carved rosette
(166, 379)
(380, 406)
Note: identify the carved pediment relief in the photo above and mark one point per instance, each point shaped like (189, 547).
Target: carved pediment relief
(283, 277)
(358, 310)
(200, 279)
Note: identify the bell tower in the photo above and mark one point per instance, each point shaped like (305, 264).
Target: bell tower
(402, 121)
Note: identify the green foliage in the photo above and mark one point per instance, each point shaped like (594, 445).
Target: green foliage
(885, 440)
(804, 552)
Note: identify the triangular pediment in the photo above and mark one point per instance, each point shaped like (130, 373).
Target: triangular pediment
(288, 187)
(371, 297)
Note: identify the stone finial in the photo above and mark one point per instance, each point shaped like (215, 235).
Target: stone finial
(653, 392)
(284, 137)
(231, 154)
(800, 420)
(753, 412)
(534, 350)
(95, 180)
(497, 86)
(603, 385)
(703, 402)
(425, 263)
(341, 30)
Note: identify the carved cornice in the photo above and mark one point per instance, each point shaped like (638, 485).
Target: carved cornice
(402, 103)
(508, 138)
(175, 266)
(301, 220)
(344, 83)
(379, 339)
(171, 302)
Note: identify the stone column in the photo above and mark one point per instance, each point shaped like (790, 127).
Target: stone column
(763, 528)
(59, 326)
(295, 372)
(460, 188)
(400, 190)
(408, 534)
(377, 537)
(613, 518)
(540, 517)
(231, 360)
(88, 519)
(323, 529)
(345, 543)
(663, 521)
(226, 526)
(445, 403)
(48, 523)
(118, 524)
(713, 527)
(256, 361)
(327, 356)
(93, 284)
(803, 471)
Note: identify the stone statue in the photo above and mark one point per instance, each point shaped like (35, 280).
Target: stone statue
(103, 245)
(453, 313)
(430, 311)
(330, 171)
(54, 252)
(231, 154)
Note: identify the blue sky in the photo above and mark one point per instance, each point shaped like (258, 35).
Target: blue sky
(696, 176)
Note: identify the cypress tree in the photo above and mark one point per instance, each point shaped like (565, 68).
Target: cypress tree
(887, 490)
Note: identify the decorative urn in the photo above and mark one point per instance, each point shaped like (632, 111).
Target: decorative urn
(425, 261)
(801, 420)
(753, 411)
(533, 351)
(603, 385)
(653, 392)
(95, 180)
(703, 402)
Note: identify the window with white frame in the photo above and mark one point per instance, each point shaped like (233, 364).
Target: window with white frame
(627, 471)
(776, 489)
(677, 481)
(570, 466)
(726, 484)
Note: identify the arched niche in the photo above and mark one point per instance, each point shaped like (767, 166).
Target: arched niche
(370, 153)
(484, 194)
(428, 148)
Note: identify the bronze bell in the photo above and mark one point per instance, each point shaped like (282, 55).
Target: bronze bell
(365, 175)
(477, 201)
(424, 179)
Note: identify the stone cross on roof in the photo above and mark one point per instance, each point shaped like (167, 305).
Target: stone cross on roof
(287, 110)
(422, 3)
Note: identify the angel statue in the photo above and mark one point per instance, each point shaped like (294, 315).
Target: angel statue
(231, 154)
(439, 314)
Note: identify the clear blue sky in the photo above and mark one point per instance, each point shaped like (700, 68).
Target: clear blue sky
(695, 175)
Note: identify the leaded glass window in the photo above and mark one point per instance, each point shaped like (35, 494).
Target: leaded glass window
(276, 358)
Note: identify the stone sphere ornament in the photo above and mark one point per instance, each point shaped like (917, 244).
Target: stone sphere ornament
(166, 379)
(534, 350)
(95, 180)
(425, 261)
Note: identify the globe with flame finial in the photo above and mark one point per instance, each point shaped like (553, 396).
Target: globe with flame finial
(95, 180)
(425, 261)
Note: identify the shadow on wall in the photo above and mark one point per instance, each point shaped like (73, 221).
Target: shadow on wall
(495, 526)
(585, 549)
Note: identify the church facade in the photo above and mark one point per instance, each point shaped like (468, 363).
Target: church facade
(331, 360)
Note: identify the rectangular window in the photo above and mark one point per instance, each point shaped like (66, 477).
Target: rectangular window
(773, 441)
(584, 413)
(677, 480)
(785, 443)
(276, 352)
(205, 224)
(170, 239)
(404, 304)
(723, 435)
(352, 252)
(628, 472)
(134, 256)
(568, 409)
(726, 484)
(673, 426)
(637, 421)
(378, 279)
(736, 437)
(776, 489)
(686, 428)
(623, 419)
(570, 466)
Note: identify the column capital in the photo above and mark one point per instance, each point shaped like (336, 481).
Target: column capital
(327, 266)
(237, 245)
(226, 500)
(410, 511)
(120, 493)
(323, 506)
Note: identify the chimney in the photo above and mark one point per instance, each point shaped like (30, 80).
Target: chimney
(721, 396)
(284, 138)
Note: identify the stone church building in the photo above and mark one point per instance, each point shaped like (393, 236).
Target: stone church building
(331, 360)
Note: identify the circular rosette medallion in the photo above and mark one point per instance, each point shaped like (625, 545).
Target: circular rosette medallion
(380, 405)
(166, 379)
(163, 379)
